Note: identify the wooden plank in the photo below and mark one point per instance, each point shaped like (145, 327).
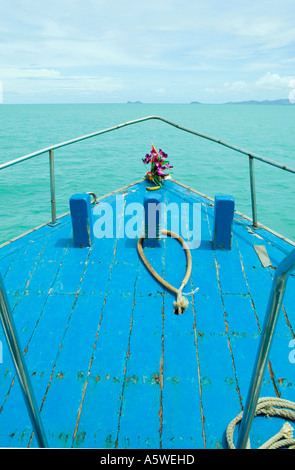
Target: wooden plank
(220, 397)
(63, 396)
(259, 280)
(17, 279)
(219, 384)
(140, 420)
(282, 369)
(28, 311)
(6, 264)
(69, 275)
(25, 307)
(256, 276)
(98, 419)
(182, 420)
(211, 342)
(40, 359)
(26, 316)
(97, 424)
(231, 275)
(15, 424)
(182, 416)
(51, 262)
(241, 321)
(244, 337)
(140, 414)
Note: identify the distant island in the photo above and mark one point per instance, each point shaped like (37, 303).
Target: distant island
(281, 101)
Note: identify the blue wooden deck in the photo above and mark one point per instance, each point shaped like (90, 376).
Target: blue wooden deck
(112, 365)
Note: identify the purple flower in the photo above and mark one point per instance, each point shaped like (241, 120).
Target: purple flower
(147, 159)
(167, 166)
(163, 154)
(159, 171)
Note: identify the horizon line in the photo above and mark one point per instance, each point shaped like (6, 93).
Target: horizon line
(252, 101)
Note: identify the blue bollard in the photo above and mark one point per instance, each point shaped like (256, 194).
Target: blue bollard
(152, 217)
(224, 207)
(80, 207)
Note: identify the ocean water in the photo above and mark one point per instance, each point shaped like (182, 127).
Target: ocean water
(113, 160)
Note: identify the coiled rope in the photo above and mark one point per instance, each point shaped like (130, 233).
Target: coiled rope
(270, 406)
(181, 302)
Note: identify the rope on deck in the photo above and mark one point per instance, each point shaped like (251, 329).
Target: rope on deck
(270, 406)
(181, 302)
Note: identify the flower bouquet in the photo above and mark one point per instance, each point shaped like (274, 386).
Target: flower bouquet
(159, 164)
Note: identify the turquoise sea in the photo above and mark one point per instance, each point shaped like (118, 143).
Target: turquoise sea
(113, 160)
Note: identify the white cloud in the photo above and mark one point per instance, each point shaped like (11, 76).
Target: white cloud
(288, 61)
(42, 82)
(13, 72)
(236, 86)
(260, 66)
(128, 46)
(161, 91)
(268, 82)
(273, 81)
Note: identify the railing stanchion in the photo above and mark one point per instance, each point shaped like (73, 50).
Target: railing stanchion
(253, 193)
(52, 187)
(20, 365)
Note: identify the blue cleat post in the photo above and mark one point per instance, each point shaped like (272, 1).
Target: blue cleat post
(223, 220)
(80, 207)
(152, 217)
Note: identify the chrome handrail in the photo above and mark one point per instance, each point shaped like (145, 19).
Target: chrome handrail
(273, 308)
(51, 149)
(20, 365)
(274, 304)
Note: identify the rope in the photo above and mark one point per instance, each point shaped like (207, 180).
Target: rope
(181, 302)
(270, 406)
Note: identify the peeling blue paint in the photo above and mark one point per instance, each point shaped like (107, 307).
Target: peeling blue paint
(111, 365)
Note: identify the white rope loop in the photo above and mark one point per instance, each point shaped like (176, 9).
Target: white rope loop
(270, 406)
(181, 303)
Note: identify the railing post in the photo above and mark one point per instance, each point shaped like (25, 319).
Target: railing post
(273, 308)
(20, 365)
(52, 187)
(253, 194)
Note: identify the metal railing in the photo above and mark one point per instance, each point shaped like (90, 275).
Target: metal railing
(50, 151)
(20, 365)
(274, 303)
(273, 308)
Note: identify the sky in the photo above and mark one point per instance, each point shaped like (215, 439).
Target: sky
(155, 51)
